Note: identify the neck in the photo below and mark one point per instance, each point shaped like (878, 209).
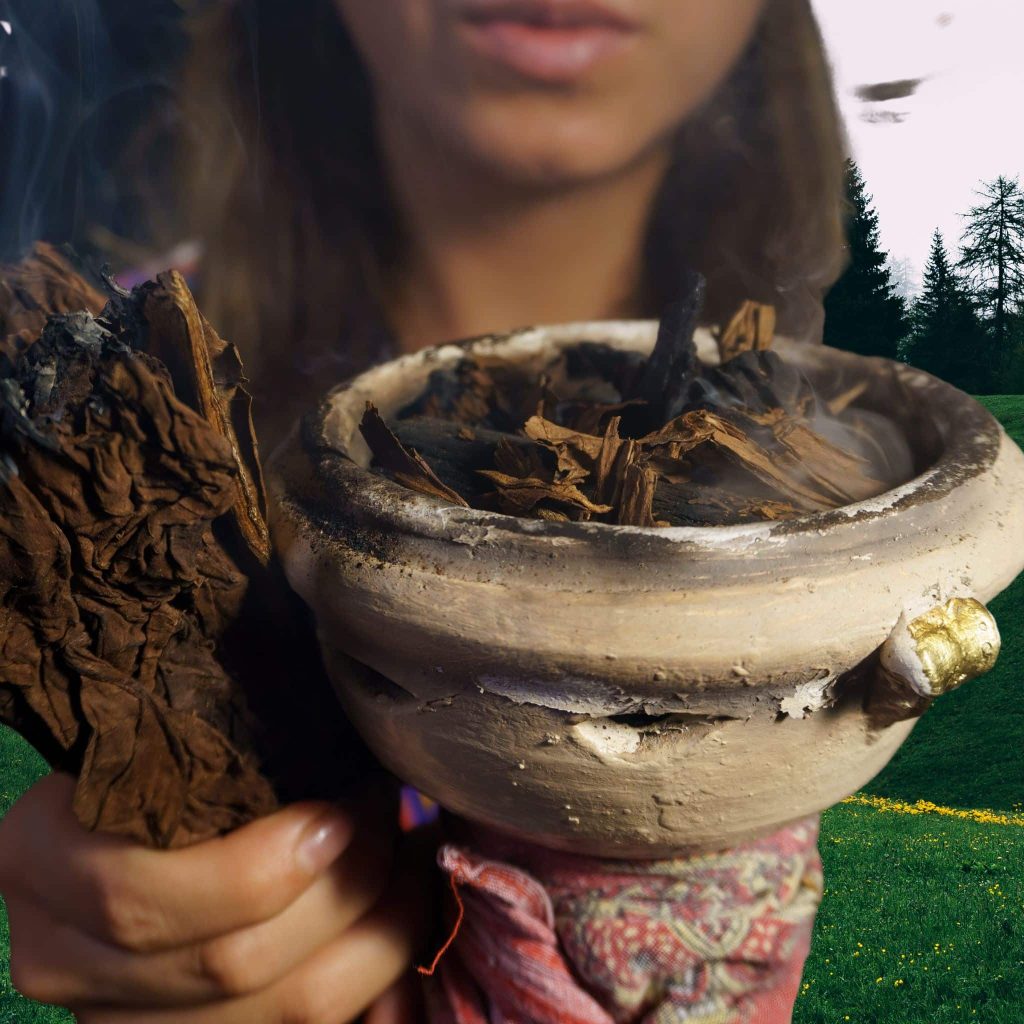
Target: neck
(484, 255)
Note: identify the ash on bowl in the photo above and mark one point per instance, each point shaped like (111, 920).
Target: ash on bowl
(605, 435)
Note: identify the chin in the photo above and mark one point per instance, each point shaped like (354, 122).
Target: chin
(554, 147)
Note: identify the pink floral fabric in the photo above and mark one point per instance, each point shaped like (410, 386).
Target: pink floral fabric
(556, 938)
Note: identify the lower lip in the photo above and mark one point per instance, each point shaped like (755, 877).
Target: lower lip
(546, 54)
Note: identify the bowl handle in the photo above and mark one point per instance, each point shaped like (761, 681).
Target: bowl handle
(930, 654)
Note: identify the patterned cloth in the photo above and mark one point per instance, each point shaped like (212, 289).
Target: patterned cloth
(556, 938)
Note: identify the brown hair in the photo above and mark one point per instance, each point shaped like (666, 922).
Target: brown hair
(285, 190)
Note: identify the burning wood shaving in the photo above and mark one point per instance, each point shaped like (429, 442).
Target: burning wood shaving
(619, 439)
(841, 401)
(751, 329)
(133, 547)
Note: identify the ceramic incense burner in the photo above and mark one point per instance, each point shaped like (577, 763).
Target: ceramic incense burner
(636, 692)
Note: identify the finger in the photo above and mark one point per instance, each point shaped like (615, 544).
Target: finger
(51, 794)
(62, 965)
(30, 933)
(335, 985)
(401, 1004)
(144, 900)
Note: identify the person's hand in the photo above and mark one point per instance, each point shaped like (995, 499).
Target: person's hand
(300, 917)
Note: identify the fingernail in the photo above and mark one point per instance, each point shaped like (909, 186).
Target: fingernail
(323, 842)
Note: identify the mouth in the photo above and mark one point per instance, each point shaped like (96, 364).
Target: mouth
(548, 41)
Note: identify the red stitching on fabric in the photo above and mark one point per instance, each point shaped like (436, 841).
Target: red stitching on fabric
(429, 971)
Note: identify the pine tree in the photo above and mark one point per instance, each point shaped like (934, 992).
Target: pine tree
(863, 312)
(902, 273)
(946, 333)
(992, 257)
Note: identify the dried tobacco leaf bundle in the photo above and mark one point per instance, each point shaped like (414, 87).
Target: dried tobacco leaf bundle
(612, 437)
(132, 542)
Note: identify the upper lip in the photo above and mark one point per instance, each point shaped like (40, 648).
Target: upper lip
(546, 13)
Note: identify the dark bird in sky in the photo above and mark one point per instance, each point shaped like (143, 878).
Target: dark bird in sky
(879, 92)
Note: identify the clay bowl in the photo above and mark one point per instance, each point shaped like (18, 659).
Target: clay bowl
(623, 690)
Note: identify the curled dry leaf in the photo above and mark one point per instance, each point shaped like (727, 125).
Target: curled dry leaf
(522, 495)
(406, 466)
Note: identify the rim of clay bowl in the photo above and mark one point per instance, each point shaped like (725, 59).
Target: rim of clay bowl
(971, 438)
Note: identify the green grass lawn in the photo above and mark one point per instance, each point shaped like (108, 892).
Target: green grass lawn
(923, 916)
(921, 922)
(19, 768)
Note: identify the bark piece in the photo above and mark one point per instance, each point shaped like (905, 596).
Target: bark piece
(840, 474)
(752, 327)
(612, 458)
(463, 393)
(453, 452)
(637, 495)
(781, 473)
(754, 381)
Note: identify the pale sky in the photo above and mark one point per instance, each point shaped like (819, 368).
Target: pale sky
(922, 156)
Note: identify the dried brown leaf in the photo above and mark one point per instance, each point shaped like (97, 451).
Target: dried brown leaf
(519, 459)
(574, 452)
(768, 509)
(113, 591)
(521, 495)
(551, 515)
(120, 607)
(45, 282)
(405, 465)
